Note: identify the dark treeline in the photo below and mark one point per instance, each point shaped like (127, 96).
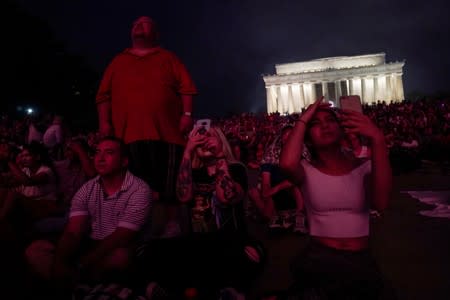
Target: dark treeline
(38, 70)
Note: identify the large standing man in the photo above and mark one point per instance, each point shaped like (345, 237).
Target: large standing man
(145, 98)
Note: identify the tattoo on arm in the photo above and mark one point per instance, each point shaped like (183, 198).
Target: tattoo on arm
(227, 185)
(224, 182)
(184, 180)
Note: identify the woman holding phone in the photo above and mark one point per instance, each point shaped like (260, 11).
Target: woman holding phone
(213, 185)
(209, 171)
(338, 191)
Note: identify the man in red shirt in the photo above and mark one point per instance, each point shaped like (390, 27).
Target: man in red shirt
(145, 98)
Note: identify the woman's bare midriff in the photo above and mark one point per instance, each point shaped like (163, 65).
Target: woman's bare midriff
(348, 244)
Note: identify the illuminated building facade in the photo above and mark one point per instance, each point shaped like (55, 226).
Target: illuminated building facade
(296, 85)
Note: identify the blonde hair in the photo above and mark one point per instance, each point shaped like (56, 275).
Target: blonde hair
(226, 149)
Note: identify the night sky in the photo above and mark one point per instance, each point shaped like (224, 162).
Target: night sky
(227, 45)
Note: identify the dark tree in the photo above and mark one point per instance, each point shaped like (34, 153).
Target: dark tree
(37, 69)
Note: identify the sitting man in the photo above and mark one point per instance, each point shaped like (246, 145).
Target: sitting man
(111, 208)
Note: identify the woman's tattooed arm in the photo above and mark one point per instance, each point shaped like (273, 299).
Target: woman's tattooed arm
(227, 190)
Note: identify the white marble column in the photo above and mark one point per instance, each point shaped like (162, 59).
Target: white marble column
(309, 92)
(372, 93)
(362, 90)
(269, 99)
(376, 89)
(368, 90)
(380, 88)
(393, 83)
(325, 90)
(274, 90)
(399, 88)
(272, 105)
(356, 87)
(297, 97)
(313, 94)
(284, 91)
(337, 90)
(279, 100)
(306, 92)
(388, 89)
(290, 108)
(302, 98)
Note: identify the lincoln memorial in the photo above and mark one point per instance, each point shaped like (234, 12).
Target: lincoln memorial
(296, 85)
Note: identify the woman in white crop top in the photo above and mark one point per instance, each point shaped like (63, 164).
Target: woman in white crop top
(338, 190)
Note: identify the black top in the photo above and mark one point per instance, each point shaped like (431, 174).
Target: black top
(208, 214)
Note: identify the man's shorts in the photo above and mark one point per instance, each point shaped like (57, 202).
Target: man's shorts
(157, 163)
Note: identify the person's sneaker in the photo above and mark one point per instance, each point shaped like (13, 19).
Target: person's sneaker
(300, 223)
(230, 294)
(287, 220)
(172, 230)
(155, 292)
(275, 222)
(374, 214)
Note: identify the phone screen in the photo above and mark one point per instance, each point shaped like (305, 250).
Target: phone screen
(203, 125)
(351, 103)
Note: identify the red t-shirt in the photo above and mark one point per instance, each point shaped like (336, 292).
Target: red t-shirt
(145, 95)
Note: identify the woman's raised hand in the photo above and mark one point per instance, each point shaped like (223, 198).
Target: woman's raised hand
(358, 123)
(312, 108)
(195, 140)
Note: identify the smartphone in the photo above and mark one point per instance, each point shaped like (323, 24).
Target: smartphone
(352, 102)
(203, 124)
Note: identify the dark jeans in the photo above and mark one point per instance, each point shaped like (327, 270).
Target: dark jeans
(204, 261)
(157, 163)
(322, 272)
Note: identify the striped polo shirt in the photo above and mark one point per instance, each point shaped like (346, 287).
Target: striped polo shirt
(127, 208)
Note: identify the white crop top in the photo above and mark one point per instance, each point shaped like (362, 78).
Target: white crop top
(336, 206)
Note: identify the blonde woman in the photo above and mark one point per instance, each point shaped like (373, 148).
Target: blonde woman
(213, 185)
(208, 169)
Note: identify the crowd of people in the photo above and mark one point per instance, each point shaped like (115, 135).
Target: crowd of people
(419, 128)
(43, 169)
(414, 131)
(76, 208)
